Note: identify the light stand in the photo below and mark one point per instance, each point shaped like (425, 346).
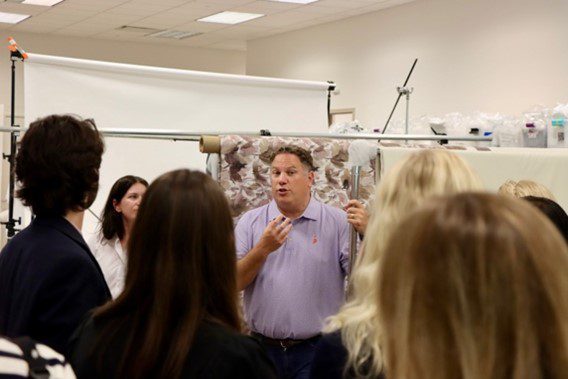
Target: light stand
(406, 91)
(16, 54)
(402, 91)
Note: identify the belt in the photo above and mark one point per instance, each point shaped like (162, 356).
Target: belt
(283, 343)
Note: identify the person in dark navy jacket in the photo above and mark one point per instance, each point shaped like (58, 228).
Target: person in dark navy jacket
(49, 279)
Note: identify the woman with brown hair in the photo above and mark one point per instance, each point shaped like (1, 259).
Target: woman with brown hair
(177, 316)
(117, 219)
(474, 286)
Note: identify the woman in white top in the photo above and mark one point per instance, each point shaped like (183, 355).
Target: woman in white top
(119, 213)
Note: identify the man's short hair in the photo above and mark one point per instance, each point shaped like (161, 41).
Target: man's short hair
(58, 163)
(303, 155)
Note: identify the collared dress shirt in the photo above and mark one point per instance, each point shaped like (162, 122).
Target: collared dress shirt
(302, 282)
(112, 259)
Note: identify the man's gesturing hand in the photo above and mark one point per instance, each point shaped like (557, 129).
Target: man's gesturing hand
(275, 234)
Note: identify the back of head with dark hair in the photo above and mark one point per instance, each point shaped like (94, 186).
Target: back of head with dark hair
(111, 220)
(553, 211)
(58, 163)
(303, 155)
(181, 271)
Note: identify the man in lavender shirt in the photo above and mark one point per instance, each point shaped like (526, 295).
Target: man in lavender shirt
(293, 254)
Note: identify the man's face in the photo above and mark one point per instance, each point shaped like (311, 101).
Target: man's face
(291, 182)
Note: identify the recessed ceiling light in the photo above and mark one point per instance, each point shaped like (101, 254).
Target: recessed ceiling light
(296, 1)
(12, 18)
(230, 17)
(45, 3)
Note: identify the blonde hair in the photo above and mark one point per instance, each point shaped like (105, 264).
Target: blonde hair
(469, 288)
(410, 183)
(524, 188)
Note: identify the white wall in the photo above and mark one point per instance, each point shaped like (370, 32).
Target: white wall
(487, 55)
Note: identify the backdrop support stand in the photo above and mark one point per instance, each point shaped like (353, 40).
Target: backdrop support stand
(402, 91)
(16, 54)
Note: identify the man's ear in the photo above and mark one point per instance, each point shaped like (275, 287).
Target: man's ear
(311, 177)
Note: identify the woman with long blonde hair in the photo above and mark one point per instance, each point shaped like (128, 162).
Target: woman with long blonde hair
(410, 183)
(474, 286)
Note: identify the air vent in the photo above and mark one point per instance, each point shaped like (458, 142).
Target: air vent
(174, 34)
(138, 29)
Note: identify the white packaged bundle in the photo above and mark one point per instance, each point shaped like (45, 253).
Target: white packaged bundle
(509, 133)
(557, 129)
(534, 128)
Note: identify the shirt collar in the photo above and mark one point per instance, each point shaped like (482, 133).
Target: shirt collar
(310, 213)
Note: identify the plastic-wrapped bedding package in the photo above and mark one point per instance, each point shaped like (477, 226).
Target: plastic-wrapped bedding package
(509, 134)
(348, 127)
(557, 127)
(534, 129)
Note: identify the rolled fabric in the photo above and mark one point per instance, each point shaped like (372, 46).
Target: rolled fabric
(210, 144)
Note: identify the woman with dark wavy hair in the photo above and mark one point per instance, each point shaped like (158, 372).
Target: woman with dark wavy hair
(119, 213)
(48, 277)
(177, 316)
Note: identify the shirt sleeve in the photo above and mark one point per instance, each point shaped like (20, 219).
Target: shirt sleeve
(344, 244)
(243, 236)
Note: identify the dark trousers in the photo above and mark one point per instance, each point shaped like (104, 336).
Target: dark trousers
(293, 362)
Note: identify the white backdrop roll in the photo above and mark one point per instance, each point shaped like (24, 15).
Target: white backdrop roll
(142, 97)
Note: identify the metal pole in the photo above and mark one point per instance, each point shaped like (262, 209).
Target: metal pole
(354, 236)
(194, 136)
(379, 166)
(406, 128)
(11, 222)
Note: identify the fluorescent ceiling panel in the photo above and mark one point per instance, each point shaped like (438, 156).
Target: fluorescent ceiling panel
(12, 18)
(230, 17)
(296, 1)
(45, 3)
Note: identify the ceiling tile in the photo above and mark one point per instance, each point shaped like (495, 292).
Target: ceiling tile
(203, 40)
(114, 19)
(319, 10)
(162, 21)
(345, 4)
(195, 26)
(93, 6)
(226, 3)
(36, 28)
(205, 8)
(138, 9)
(100, 18)
(85, 28)
(387, 4)
(22, 8)
(281, 19)
(173, 3)
(266, 7)
(242, 31)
